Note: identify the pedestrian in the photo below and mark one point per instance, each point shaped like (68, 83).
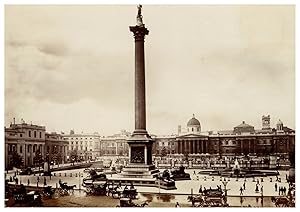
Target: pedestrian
(275, 187)
(200, 189)
(241, 189)
(241, 200)
(38, 179)
(262, 190)
(194, 172)
(28, 182)
(177, 205)
(197, 177)
(45, 181)
(17, 180)
(244, 185)
(256, 189)
(279, 190)
(10, 179)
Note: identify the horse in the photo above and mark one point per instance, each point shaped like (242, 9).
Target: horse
(142, 205)
(280, 201)
(70, 188)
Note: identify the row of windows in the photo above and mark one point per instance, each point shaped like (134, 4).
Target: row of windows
(80, 138)
(82, 142)
(34, 134)
(81, 148)
(166, 143)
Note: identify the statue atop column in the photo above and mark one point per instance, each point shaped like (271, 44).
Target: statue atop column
(139, 17)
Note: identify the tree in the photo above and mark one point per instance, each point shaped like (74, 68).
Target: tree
(38, 158)
(164, 152)
(16, 160)
(73, 156)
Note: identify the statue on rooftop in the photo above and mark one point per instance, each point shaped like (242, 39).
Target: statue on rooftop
(139, 17)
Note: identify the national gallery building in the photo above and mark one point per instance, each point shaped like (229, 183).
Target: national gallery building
(242, 140)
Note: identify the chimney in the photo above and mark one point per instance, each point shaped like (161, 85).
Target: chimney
(179, 129)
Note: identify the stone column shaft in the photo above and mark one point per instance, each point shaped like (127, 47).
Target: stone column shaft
(140, 99)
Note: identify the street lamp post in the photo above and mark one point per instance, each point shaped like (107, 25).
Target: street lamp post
(79, 182)
(225, 184)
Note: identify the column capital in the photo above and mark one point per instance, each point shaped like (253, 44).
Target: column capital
(139, 32)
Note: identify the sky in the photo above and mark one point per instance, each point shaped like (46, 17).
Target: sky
(72, 67)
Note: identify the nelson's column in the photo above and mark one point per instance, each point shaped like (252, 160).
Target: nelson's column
(140, 170)
(140, 143)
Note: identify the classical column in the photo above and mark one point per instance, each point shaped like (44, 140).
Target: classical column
(140, 100)
(242, 146)
(145, 154)
(181, 147)
(6, 156)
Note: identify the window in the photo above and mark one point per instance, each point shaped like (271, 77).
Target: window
(21, 149)
(29, 133)
(34, 148)
(28, 148)
(21, 135)
(76, 142)
(85, 148)
(34, 134)
(234, 142)
(192, 129)
(226, 142)
(80, 142)
(48, 148)
(40, 134)
(72, 142)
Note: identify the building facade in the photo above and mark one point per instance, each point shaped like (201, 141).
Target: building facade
(115, 145)
(28, 142)
(242, 140)
(56, 148)
(86, 145)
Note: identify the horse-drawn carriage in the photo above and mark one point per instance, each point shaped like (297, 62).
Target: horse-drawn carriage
(127, 202)
(209, 198)
(96, 188)
(117, 191)
(64, 189)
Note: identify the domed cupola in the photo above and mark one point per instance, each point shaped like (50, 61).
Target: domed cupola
(193, 125)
